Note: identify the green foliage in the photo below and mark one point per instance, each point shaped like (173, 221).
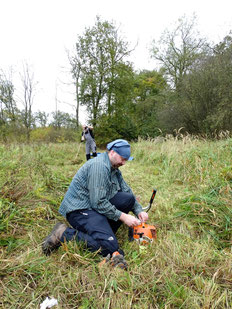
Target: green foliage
(200, 77)
(41, 118)
(42, 134)
(51, 134)
(114, 127)
(207, 92)
(191, 90)
(63, 120)
(99, 61)
(149, 89)
(8, 110)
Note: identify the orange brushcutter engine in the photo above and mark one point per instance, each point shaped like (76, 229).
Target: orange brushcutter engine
(144, 233)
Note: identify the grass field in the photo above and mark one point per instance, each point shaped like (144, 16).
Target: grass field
(190, 264)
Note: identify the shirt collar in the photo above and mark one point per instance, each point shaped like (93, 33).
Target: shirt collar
(113, 170)
(107, 160)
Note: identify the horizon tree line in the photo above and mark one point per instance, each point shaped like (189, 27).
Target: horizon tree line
(190, 89)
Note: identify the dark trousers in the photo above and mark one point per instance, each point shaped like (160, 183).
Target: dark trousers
(95, 229)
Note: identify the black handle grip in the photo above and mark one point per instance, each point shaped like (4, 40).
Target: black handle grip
(153, 196)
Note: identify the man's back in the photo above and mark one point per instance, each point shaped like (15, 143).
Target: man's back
(93, 182)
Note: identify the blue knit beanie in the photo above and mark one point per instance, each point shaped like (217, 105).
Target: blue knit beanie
(122, 147)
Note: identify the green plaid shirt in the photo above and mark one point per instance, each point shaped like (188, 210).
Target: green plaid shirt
(95, 183)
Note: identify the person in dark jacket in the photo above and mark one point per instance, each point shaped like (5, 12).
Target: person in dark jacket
(97, 202)
(90, 145)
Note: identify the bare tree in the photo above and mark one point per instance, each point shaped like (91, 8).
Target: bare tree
(178, 50)
(29, 86)
(76, 71)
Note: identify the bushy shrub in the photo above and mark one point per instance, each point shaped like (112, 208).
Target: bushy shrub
(50, 134)
(113, 127)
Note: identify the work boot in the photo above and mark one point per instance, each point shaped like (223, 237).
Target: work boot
(116, 260)
(52, 241)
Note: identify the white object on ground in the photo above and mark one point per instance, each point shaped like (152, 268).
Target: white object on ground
(48, 303)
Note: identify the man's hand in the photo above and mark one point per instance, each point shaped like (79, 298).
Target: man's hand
(143, 216)
(129, 220)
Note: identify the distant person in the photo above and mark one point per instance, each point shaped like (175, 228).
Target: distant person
(97, 202)
(90, 145)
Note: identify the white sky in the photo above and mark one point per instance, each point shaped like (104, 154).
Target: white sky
(40, 31)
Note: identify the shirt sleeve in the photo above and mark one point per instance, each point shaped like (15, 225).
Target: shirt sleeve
(137, 208)
(99, 186)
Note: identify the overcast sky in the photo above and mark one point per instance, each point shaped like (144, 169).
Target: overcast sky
(41, 31)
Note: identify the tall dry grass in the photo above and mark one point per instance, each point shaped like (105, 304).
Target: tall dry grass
(189, 266)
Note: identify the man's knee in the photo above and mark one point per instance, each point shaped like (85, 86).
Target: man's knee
(131, 199)
(123, 201)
